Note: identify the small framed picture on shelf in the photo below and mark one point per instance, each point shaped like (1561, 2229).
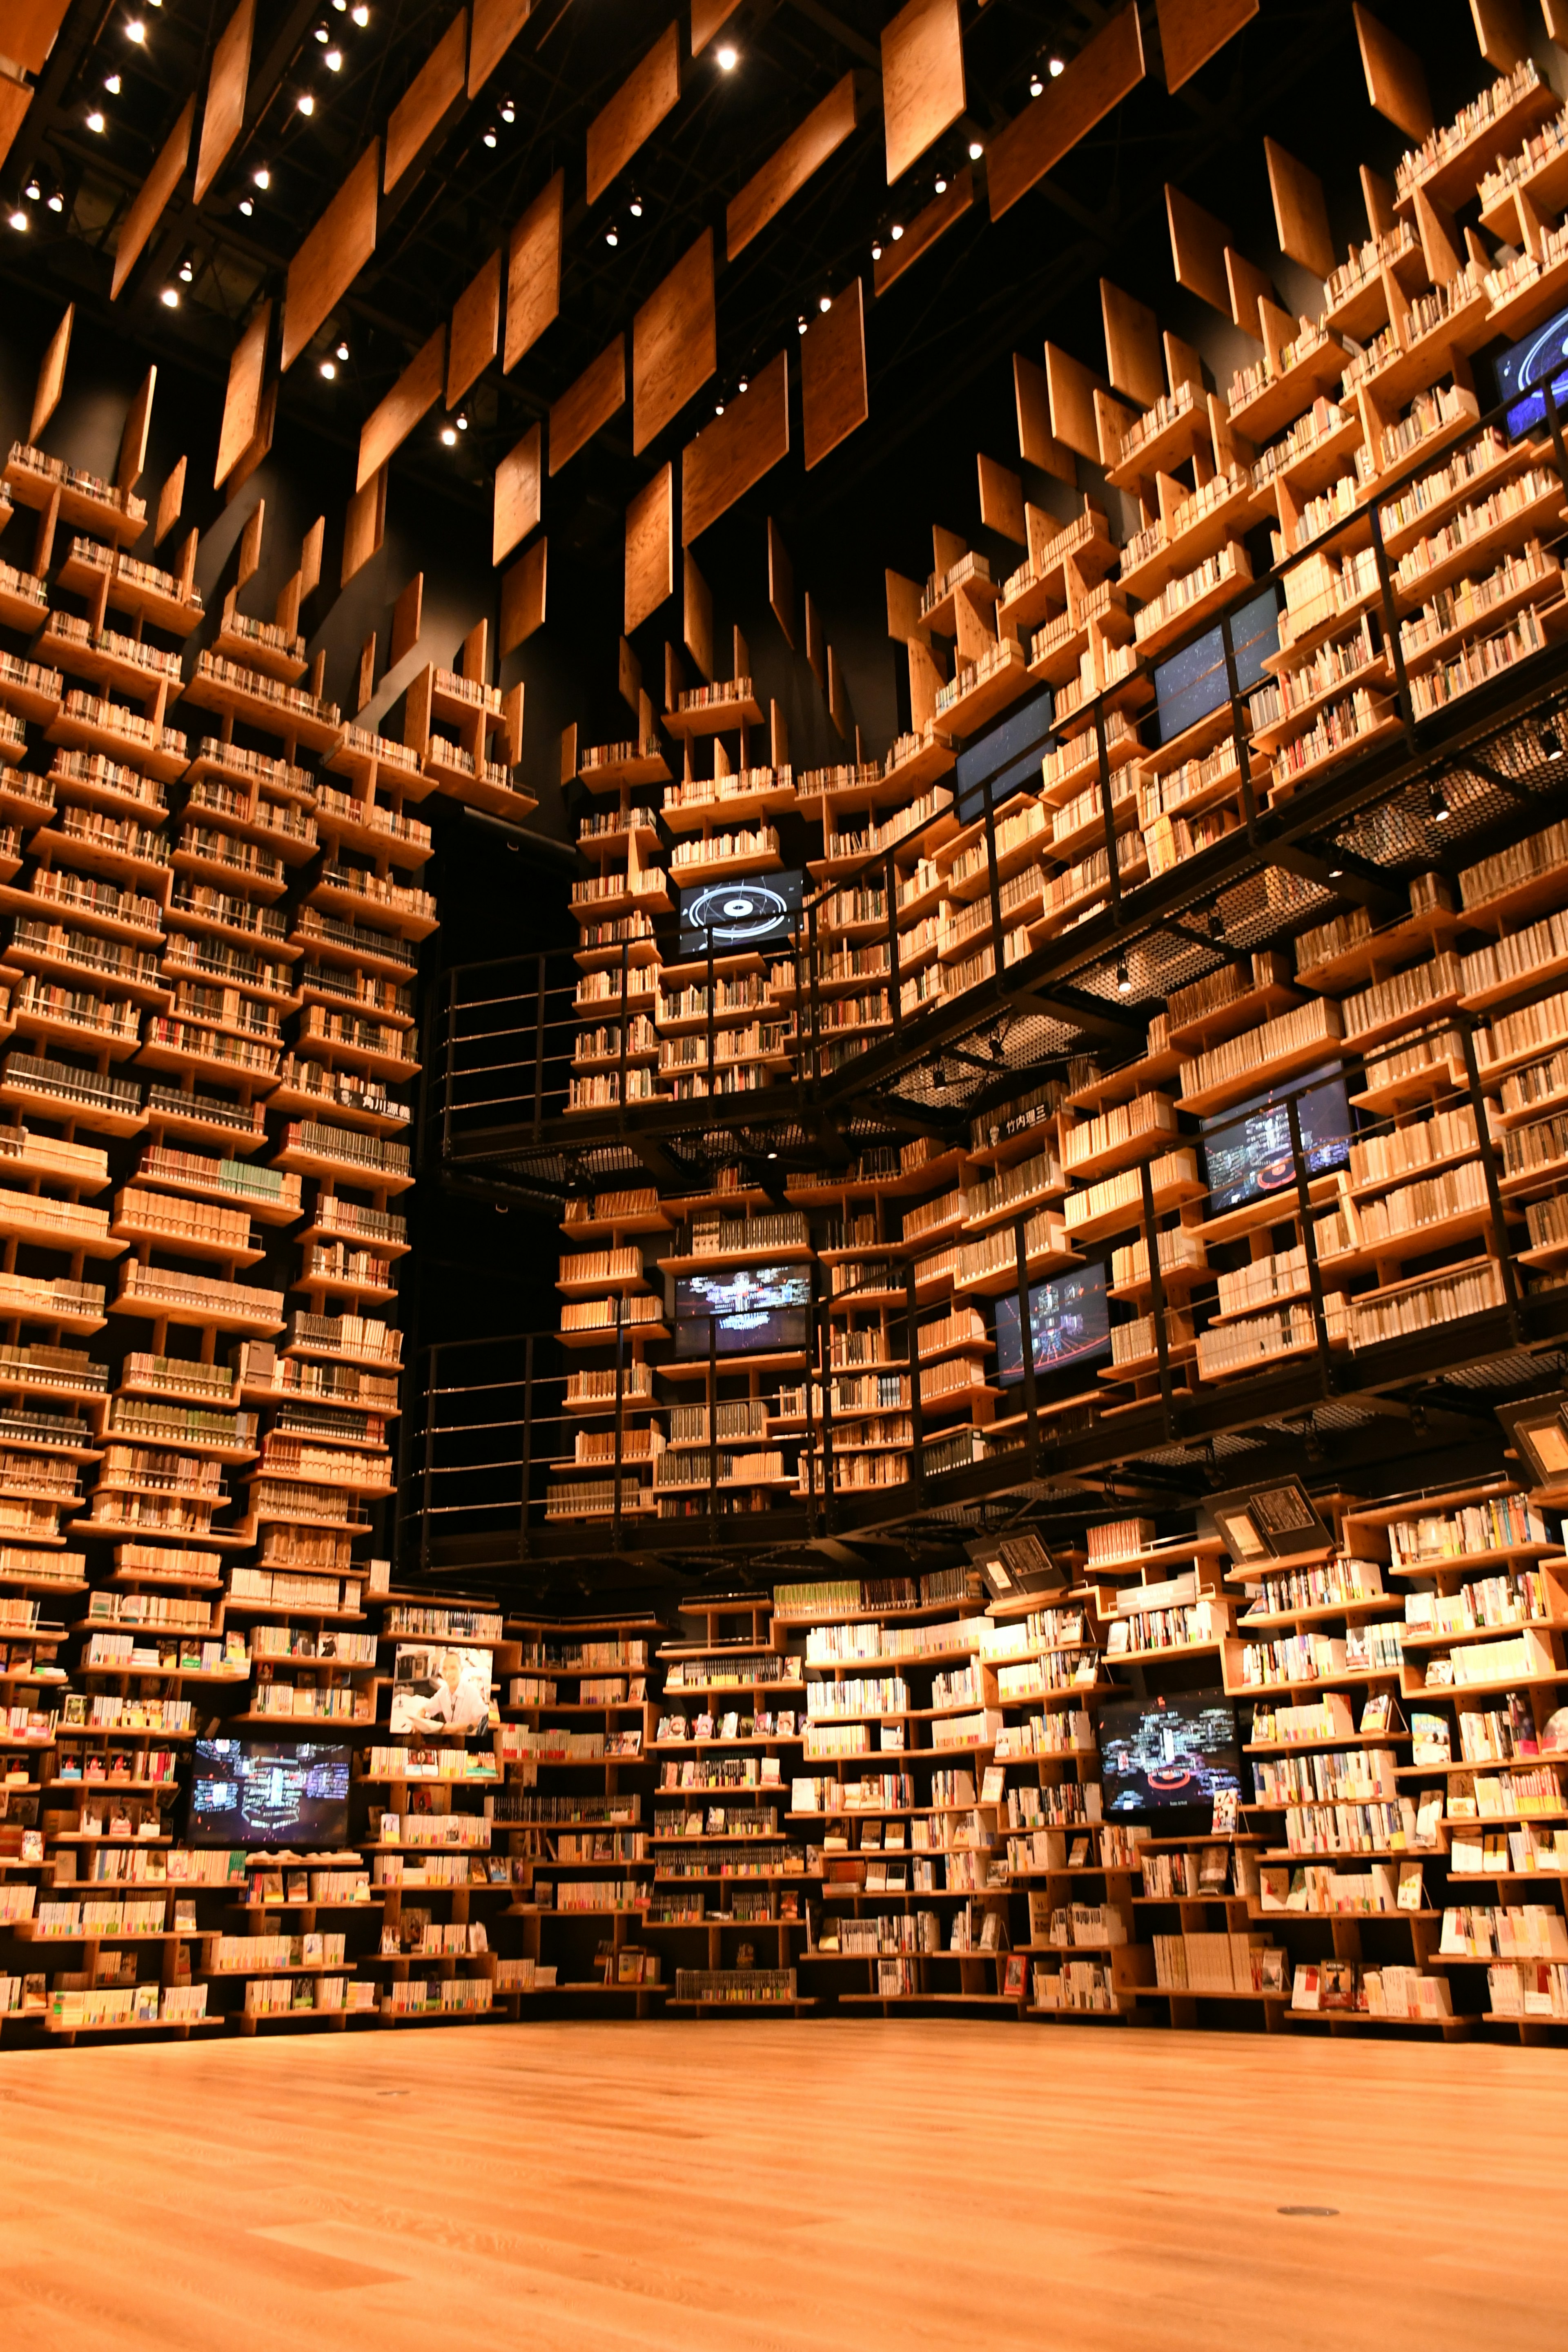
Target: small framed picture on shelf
(1224, 1812)
(1016, 1976)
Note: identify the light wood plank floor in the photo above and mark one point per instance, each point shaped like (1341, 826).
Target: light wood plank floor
(741, 2185)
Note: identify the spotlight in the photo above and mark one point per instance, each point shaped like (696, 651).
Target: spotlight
(1216, 924)
(33, 188)
(359, 14)
(1035, 85)
(343, 351)
(824, 302)
(635, 208)
(448, 436)
(742, 384)
(1551, 741)
(718, 408)
(941, 184)
(1057, 66)
(170, 298)
(1336, 873)
(187, 272)
(95, 121)
(876, 248)
(19, 218)
(54, 202)
(341, 6)
(305, 102)
(508, 112)
(136, 31)
(334, 60)
(896, 231)
(246, 206)
(773, 1155)
(111, 84)
(729, 58)
(1437, 802)
(460, 421)
(329, 369)
(322, 34)
(800, 326)
(262, 178)
(1123, 985)
(938, 1075)
(612, 235)
(976, 151)
(489, 137)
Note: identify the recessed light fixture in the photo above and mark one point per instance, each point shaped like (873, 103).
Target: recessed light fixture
(305, 102)
(773, 1155)
(1437, 802)
(170, 298)
(448, 436)
(95, 121)
(33, 188)
(876, 248)
(1336, 873)
(741, 386)
(187, 272)
(1550, 740)
(727, 56)
(825, 302)
(718, 408)
(136, 31)
(322, 34)
(359, 14)
(800, 325)
(54, 202)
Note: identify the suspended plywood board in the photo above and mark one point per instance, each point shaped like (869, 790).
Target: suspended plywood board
(1192, 31)
(533, 272)
(904, 624)
(249, 559)
(242, 400)
(257, 447)
(133, 437)
(147, 205)
(332, 256)
(591, 402)
(30, 26)
(780, 582)
(1301, 214)
(475, 330)
(365, 527)
(697, 614)
(930, 222)
(922, 80)
(1096, 79)
(365, 685)
(736, 450)
(310, 548)
(788, 169)
(1197, 250)
(413, 397)
(650, 549)
(675, 343)
(1001, 499)
(408, 618)
(1037, 444)
(52, 374)
(496, 24)
(1500, 32)
(1395, 77)
(628, 676)
(707, 15)
(834, 395)
(1132, 355)
(522, 597)
(518, 487)
(1071, 388)
(16, 97)
(838, 709)
(224, 112)
(437, 85)
(649, 92)
(171, 503)
(1249, 286)
(1377, 195)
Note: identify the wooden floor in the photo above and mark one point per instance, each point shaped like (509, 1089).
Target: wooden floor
(732, 2186)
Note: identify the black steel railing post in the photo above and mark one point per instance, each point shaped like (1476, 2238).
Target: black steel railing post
(712, 1016)
(1310, 1246)
(1107, 807)
(1238, 730)
(912, 1350)
(539, 1046)
(1026, 1341)
(526, 1496)
(813, 1342)
(620, 1417)
(994, 880)
(895, 986)
(427, 1474)
(624, 1032)
(712, 1418)
(1157, 1297)
(1465, 1022)
(1391, 628)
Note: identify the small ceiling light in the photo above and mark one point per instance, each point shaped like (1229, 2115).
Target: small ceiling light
(186, 270)
(136, 31)
(33, 188)
(54, 202)
(1551, 741)
(896, 231)
(800, 326)
(329, 369)
(1123, 985)
(876, 248)
(1437, 802)
(321, 33)
(343, 350)
(19, 218)
(773, 1155)
(170, 298)
(508, 111)
(246, 206)
(1035, 85)
(976, 151)
(938, 1075)
(460, 421)
(741, 386)
(111, 84)
(825, 302)
(448, 436)
(359, 14)
(334, 60)
(729, 58)
(262, 178)
(95, 121)
(635, 208)
(941, 184)
(611, 234)
(718, 408)
(1336, 873)
(489, 137)
(341, 6)
(305, 102)
(1057, 66)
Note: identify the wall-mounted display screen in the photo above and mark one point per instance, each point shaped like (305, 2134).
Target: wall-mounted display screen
(1192, 682)
(1069, 1325)
(282, 1792)
(1246, 1153)
(764, 911)
(754, 1310)
(1165, 1752)
(1524, 370)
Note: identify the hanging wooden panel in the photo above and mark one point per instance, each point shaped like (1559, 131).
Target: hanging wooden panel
(780, 582)
(650, 548)
(707, 15)
(407, 619)
(1096, 79)
(675, 343)
(517, 501)
(1037, 444)
(522, 597)
(1192, 31)
(496, 24)
(788, 169)
(365, 527)
(310, 548)
(533, 273)
(52, 374)
(475, 330)
(736, 450)
(224, 109)
(242, 400)
(29, 31)
(1001, 499)
(1071, 386)
(147, 205)
(922, 80)
(171, 500)
(1197, 250)
(1301, 214)
(591, 402)
(260, 442)
(16, 97)
(930, 222)
(1395, 77)
(393, 419)
(697, 614)
(332, 256)
(834, 395)
(648, 93)
(437, 85)
(1132, 357)
(133, 437)
(1500, 32)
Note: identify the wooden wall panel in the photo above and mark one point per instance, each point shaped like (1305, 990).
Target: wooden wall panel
(332, 256)
(1072, 388)
(736, 450)
(1395, 77)
(928, 225)
(788, 169)
(697, 614)
(52, 372)
(248, 562)
(522, 597)
(407, 619)
(257, 447)
(1192, 31)
(16, 97)
(1037, 444)
(1248, 288)
(675, 343)
(242, 400)
(1197, 250)
(1096, 79)
(707, 15)
(816, 644)
(650, 548)
(133, 437)
(1500, 32)
(224, 109)
(1133, 361)
(437, 85)
(1001, 499)
(591, 402)
(170, 502)
(780, 582)
(648, 93)
(475, 330)
(365, 527)
(150, 199)
(1300, 214)
(533, 272)
(517, 489)
(496, 24)
(30, 26)
(393, 419)
(310, 548)
(922, 80)
(834, 395)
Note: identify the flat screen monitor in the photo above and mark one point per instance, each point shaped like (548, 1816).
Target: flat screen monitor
(754, 1310)
(1159, 1754)
(760, 912)
(1192, 682)
(262, 1792)
(1524, 370)
(1246, 1153)
(1069, 1325)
